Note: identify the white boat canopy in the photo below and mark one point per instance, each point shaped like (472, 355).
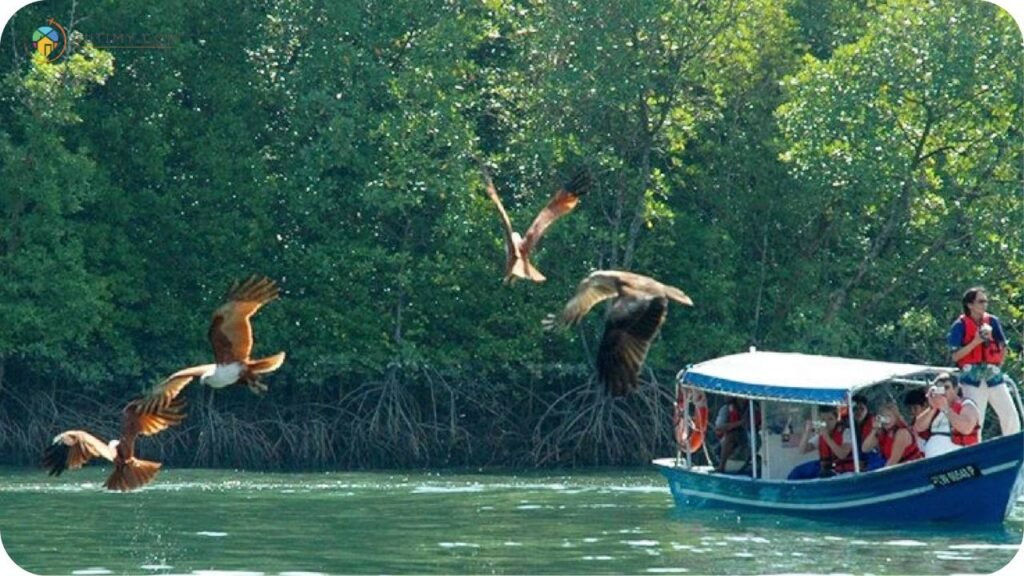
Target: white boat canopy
(797, 377)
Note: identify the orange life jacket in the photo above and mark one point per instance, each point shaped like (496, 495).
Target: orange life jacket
(989, 352)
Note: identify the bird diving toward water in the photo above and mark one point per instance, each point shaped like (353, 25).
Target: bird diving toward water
(73, 448)
(518, 248)
(636, 315)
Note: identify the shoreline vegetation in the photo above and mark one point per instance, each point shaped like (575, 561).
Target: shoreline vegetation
(406, 419)
(819, 177)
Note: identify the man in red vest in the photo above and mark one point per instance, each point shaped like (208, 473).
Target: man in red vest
(978, 344)
(958, 419)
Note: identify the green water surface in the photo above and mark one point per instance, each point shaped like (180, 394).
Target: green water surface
(607, 522)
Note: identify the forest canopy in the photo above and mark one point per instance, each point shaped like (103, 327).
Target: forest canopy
(821, 177)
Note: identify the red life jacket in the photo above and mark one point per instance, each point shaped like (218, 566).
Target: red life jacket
(865, 428)
(985, 353)
(969, 439)
(829, 461)
(887, 438)
(925, 434)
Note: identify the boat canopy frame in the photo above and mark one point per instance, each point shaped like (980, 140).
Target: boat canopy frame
(799, 378)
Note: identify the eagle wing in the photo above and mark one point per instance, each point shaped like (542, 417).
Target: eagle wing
(161, 407)
(511, 249)
(73, 448)
(563, 202)
(597, 287)
(629, 329)
(230, 332)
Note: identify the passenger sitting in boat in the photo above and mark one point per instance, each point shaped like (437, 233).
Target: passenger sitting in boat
(892, 436)
(870, 458)
(731, 422)
(916, 402)
(954, 422)
(834, 443)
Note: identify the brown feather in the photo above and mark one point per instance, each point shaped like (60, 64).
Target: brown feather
(517, 249)
(71, 449)
(637, 313)
(629, 330)
(564, 201)
(159, 400)
(230, 332)
(512, 255)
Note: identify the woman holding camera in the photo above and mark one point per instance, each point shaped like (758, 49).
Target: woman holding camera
(977, 344)
(834, 443)
(892, 436)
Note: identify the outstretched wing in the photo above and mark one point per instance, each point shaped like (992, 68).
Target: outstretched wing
(230, 333)
(506, 225)
(564, 200)
(628, 332)
(73, 448)
(161, 407)
(597, 287)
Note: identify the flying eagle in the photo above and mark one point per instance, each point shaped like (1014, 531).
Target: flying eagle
(73, 448)
(230, 335)
(636, 314)
(518, 248)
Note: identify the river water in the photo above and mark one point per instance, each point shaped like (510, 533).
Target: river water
(595, 522)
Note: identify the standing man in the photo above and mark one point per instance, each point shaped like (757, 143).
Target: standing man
(977, 343)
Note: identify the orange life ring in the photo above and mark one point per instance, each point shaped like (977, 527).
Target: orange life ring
(690, 427)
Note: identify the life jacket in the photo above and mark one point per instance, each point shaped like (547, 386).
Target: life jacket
(989, 352)
(969, 439)
(946, 428)
(829, 461)
(927, 432)
(887, 438)
(865, 429)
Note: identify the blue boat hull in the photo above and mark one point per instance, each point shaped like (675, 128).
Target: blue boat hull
(977, 484)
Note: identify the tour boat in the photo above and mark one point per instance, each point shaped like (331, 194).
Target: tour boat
(974, 484)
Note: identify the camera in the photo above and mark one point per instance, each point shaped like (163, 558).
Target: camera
(818, 424)
(882, 420)
(986, 331)
(935, 391)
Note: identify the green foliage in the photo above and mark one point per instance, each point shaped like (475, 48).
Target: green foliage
(825, 177)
